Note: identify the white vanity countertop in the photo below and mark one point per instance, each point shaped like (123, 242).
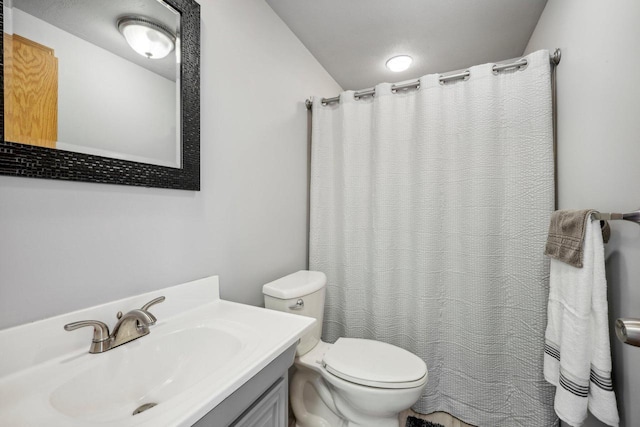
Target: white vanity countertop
(200, 351)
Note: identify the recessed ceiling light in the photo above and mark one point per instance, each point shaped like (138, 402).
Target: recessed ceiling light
(399, 63)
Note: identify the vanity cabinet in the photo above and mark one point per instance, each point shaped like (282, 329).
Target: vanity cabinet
(208, 363)
(260, 402)
(269, 411)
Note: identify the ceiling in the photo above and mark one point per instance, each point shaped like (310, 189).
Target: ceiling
(352, 39)
(95, 22)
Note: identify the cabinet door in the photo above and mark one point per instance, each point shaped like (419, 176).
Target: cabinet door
(30, 92)
(269, 411)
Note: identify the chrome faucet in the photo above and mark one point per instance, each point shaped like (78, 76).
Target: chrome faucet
(130, 326)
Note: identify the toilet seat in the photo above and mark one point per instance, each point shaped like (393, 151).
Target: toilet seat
(374, 364)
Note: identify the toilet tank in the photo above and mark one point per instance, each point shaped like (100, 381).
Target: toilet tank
(299, 293)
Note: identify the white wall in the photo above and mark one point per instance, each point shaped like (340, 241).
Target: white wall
(599, 147)
(99, 109)
(67, 245)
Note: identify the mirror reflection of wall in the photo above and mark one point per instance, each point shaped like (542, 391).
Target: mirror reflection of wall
(64, 92)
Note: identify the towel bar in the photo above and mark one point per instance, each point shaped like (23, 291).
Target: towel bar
(631, 216)
(628, 331)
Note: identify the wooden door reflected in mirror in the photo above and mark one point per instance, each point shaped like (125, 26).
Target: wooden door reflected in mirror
(31, 92)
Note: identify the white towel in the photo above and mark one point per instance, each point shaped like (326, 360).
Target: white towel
(577, 357)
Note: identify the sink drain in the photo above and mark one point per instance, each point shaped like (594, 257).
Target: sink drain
(143, 408)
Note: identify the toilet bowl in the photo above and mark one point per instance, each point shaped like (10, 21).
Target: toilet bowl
(353, 382)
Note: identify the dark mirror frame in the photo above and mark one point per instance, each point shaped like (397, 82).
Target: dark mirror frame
(40, 162)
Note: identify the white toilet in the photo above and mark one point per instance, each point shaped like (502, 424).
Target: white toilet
(353, 382)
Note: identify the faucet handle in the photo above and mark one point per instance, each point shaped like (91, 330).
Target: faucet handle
(145, 309)
(153, 302)
(100, 341)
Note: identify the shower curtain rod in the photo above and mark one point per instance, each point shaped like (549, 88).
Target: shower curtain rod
(554, 58)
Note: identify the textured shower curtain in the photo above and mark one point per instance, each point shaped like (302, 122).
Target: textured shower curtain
(429, 212)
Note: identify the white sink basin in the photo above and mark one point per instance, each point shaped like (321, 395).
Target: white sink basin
(151, 372)
(190, 362)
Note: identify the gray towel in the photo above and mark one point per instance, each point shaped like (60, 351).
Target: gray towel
(566, 235)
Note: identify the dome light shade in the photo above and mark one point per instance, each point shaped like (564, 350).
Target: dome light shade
(146, 37)
(399, 63)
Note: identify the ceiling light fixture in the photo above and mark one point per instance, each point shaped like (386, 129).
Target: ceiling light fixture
(399, 63)
(146, 37)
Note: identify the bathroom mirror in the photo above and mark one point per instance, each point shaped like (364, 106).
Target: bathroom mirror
(79, 103)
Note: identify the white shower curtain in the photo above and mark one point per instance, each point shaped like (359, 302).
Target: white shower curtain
(429, 212)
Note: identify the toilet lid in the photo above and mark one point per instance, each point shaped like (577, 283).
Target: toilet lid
(374, 364)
